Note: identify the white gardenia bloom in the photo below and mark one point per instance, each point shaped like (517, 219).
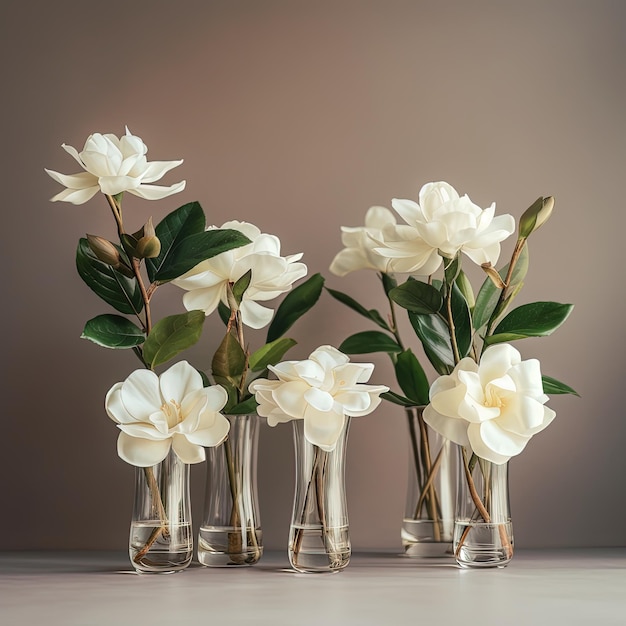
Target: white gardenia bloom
(112, 166)
(494, 407)
(322, 390)
(360, 243)
(174, 410)
(441, 225)
(272, 275)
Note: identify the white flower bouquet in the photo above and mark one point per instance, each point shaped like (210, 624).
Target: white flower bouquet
(487, 399)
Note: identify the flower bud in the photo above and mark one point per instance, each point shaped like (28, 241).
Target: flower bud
(535, 216)
(144, 244)
(104, 250)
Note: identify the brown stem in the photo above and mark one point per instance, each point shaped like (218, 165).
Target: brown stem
(428, 466)
(428, 483)
(484, 513)
(162, 529)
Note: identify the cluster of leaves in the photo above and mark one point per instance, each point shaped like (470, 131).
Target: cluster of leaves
(233, 366)
(184, 244)
(451, 322)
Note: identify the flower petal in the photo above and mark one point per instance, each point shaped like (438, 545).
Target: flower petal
(289, 398)
(213, 430)
(254, 315)
(156, 192)
(142, 452)
(450, 427)
(141, 395)
(157, 169)
(76, 196)
(186, 451)
(491, 442)
(322, 428)
(318, 399)
(180, 380)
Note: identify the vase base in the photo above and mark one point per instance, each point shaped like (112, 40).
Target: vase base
(483, 545)
(222, 547)
(158, 549)
(315, 550)
(425, 539)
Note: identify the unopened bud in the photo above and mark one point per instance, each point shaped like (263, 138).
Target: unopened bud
(535, 216)
(148, 247)
(104, 250)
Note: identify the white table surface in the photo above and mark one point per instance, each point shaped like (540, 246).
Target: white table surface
(538, 587)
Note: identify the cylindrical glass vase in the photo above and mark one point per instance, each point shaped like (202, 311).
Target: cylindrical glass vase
(231, 533)
(319, 539)
(161, 539)
(483, 533)
(428, 523)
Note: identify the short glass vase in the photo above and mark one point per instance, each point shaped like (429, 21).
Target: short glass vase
(230, 533)
(161, 540)
(319, 539)
(483, 532)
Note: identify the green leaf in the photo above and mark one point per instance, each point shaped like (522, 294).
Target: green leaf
(186, 253)
(172, 335)
(537, 319)
(247, 407)
(296, 303)
(433, 332)
(451, 269)
(369, 341)
(241, 285)
(178, 225)
(465, 287)
(417, 297)
(270, 354)
(389, 282)
(396, 398)
(552, 386)
(224, 312)
(370, 314)
(229, 359)
(462, 322)
(488, 295)
(122, 293)
(113, 331)
(411, 377)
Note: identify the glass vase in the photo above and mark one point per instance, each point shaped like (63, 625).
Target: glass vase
(161, 538)
(483, 533)
(319, 539)
(231, 533)
(428, 523)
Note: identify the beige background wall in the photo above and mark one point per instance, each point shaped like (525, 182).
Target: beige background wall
(297, 116)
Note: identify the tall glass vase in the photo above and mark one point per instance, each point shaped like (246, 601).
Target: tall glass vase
(319, 539)
(231, 533)
(161, 539)
(428, 523)
(483, 533)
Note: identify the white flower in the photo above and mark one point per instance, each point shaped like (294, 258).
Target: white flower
(494, 407)
(360, 243)
(272, 275)
(112, 166)
(443, 224)
(321, 390)
(174, 409)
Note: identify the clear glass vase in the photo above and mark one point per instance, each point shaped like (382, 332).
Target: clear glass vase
(428, 523)
(483, 533)
(319, 539)
(231, 533)
(161, 539)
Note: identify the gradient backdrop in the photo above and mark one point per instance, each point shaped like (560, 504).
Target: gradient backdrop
(298, 116)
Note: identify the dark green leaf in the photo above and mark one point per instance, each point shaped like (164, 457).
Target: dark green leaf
(247, 407)
(178, 225)
(270, 354)
(389, 282)
(369, 341)
(433, 332)
(122, 293)
(396, 398)
(296, 303)
(536, 319)
(241, 285)
(465, 287)
(172, 335)
(229, 359)
(224, 312)
(552, 386)
(371, 314)
(186, 253)
(462, 322)
(411, 377)
(113, 331)
(451, 269)
(417, 297)
(488, 295)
